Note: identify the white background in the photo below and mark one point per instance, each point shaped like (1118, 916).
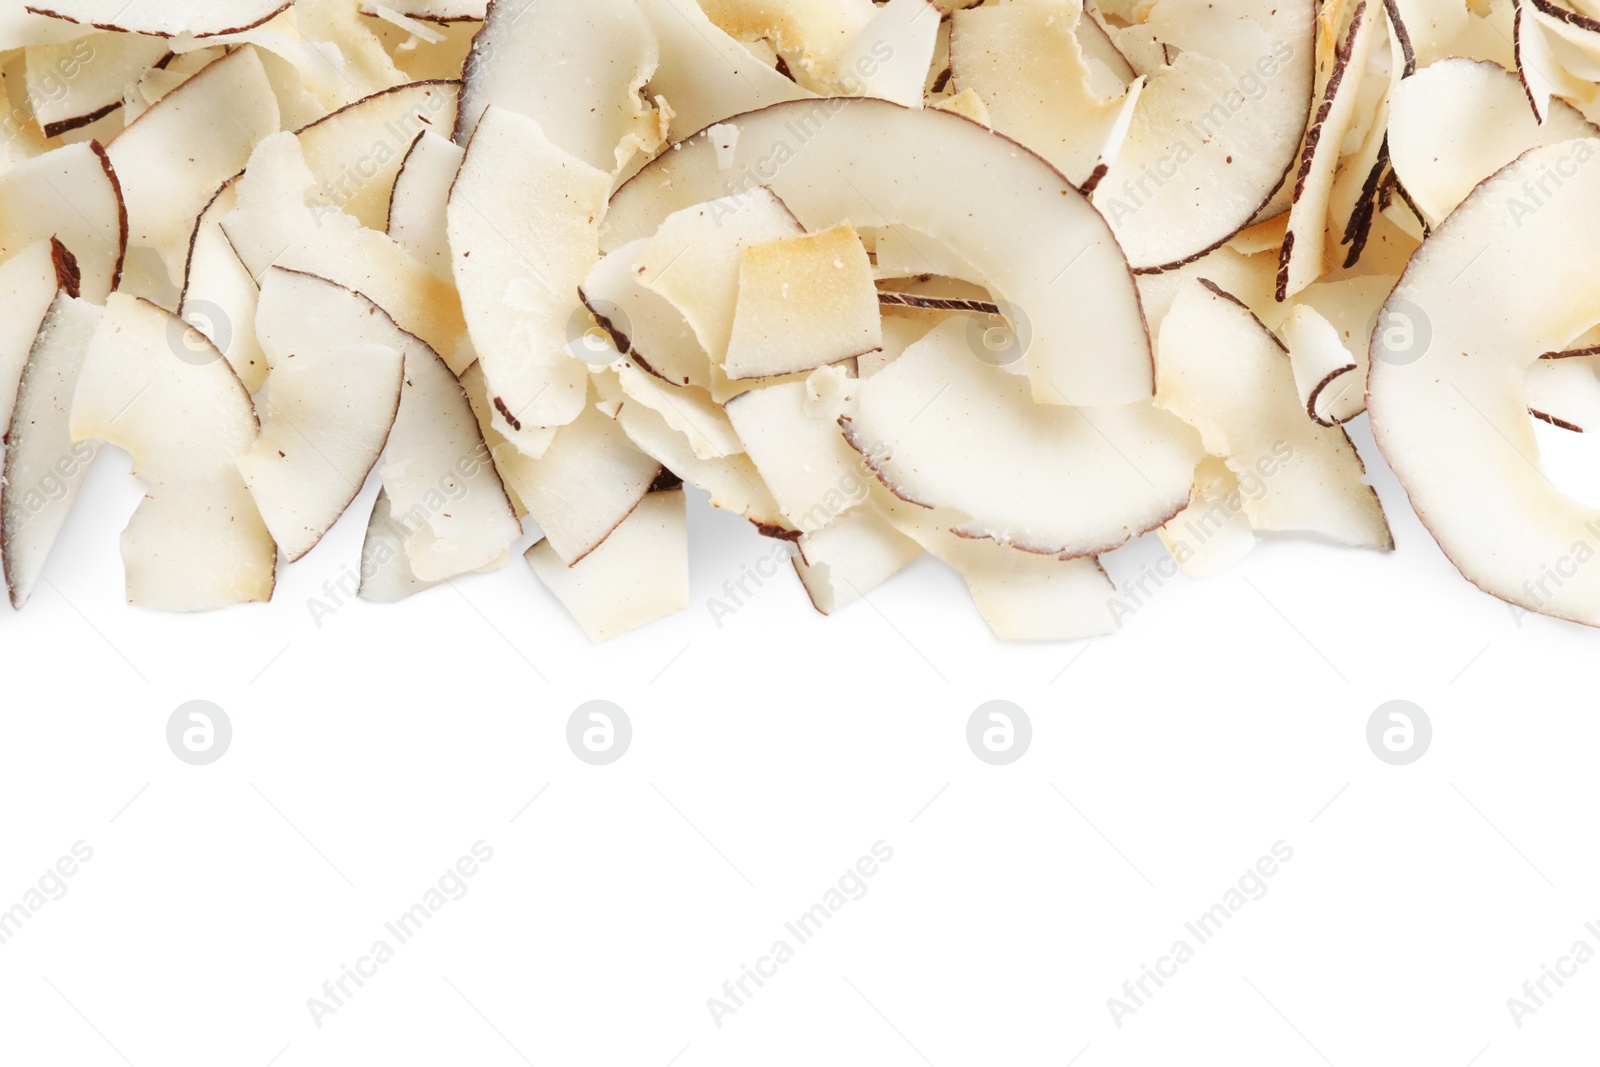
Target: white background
(768, 755)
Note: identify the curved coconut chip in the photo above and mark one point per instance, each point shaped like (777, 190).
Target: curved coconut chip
(165, 18)
(573, 66)
(1216, 131)
(1455, 123)
(197, 541)
(1042, 247)
(1461, 403)
(936, 424)
(1226, 375)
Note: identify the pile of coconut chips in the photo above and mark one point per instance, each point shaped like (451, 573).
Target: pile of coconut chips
(1005, 283)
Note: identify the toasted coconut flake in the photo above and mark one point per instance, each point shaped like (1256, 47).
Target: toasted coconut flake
(519, 262)
(172, 160)
(1028, 64)
(791, 434)
(73, 84)
(1214, 532)
(937, 424)
(357, 152)
(417, 209)
(850, 558)
(1500, 283)
(333, 388)
(1041, 247)
(1222, 372)
(804, 302)
(639, 575)
(70, 194)
(219, 296)
(197, 542)
(706, 75)
(694, 260)
(164, 18)
(1455, 123)
(439, 476)
(1304, 257)
(586, 484)
(1215, 132)
(44, 468)
(283, 220)
(573, 66)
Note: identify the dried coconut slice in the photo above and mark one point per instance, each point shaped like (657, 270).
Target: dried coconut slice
(849, 558)
(282, 220)
(29, 282)
(639, 575)
(1213, 533)
(811, 33)
(644, 325)
(705, 74)
(804, 302)
(588, 482)
(1027, 63)
(364, 68)
(1222, 372)
(1427, 29)
(1304, 257)
(332, 392)
(1541, 75)
(1252, 279)
(519, 262)
(73, 84)
(197, 541)
(1330, 384)
(791, 434)
(1565, 393)
(44, 467)
(165, 18)
(1498, 286)
(171, 161)
(733, 483)
(417, 215)
(357, 152)
(941, 428)
(694, 260)
(439, 476)
(889, 57)
(1041, 246)
(690, 411)
(70, 194)
(1216, 131)
(441, 11)
(386, 574)
(219, 296)
(575, 67)
(1457, 122)
(1020, 596)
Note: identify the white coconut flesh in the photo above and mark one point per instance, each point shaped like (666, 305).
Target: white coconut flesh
(1041, 247)
(1500, 284)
